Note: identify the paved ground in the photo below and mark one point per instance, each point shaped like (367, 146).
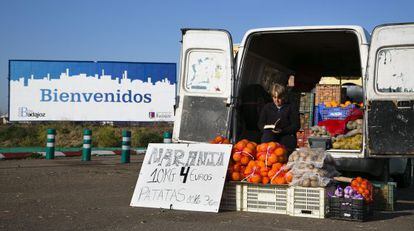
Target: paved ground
(66, 194)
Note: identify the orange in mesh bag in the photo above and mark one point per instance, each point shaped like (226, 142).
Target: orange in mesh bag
(252, 172)
(363, 187)
(220, 140)
(279, 175)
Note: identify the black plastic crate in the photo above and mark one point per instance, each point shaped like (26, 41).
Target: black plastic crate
(349, 209)
(320, 142)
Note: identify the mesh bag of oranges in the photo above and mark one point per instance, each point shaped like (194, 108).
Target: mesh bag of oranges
(363, 187)
(220, 140)
(258, 163)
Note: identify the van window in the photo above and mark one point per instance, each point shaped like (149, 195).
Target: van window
(395, 71)
(205, 71)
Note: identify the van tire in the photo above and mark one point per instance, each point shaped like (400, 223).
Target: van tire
(404, 180)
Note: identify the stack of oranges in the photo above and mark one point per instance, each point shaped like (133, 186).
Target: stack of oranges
(220, 140)
(261, 163)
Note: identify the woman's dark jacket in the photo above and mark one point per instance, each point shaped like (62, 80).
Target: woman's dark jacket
(288, 115)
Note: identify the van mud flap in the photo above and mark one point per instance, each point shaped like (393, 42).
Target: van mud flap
(390, 128)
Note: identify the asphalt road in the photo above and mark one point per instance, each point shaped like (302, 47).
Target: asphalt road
(67, 194)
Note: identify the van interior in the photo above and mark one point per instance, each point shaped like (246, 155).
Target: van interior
(311, 56)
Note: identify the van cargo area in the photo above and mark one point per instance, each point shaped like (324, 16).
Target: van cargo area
(315, 58)
(353, 91)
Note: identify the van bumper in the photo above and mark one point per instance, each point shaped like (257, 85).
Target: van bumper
(374, 167)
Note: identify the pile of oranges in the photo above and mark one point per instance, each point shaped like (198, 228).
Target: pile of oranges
(261, 163)
(220, 140)
(363, 187)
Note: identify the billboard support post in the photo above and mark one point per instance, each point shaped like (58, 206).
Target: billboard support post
(126, 146)
(50, 144)
(87, 142)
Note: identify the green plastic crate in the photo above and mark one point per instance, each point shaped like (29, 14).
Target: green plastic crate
(384, 195)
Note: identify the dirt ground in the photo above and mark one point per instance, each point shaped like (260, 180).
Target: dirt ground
(67, 194)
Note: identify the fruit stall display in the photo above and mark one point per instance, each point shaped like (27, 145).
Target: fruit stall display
(341, 122)
(262, 179)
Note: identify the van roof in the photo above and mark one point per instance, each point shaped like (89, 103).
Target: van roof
(365, 37)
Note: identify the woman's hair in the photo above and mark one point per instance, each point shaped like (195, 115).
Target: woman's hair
(278, 91)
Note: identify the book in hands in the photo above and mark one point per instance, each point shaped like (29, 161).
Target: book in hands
(272, 126)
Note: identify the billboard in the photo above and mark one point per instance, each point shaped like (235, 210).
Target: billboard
(91, 91)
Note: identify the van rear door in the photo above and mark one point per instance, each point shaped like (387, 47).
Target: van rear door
(390, 91)
(205, 85)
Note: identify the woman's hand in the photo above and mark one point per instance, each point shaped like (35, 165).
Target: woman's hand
(277, 130)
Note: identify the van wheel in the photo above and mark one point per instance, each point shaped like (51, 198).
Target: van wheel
(404, 180)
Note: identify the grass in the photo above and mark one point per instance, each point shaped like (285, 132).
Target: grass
(70, 134)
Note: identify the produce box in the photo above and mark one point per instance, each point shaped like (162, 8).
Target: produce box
(248, 197)
(334, 113)
(329, 92)
(306, 109)
(231, 197)
(316, 116)
(384, 195)
(264, 198)
(349, 209)
(308, 202)
(302, 137)
(305, 120)
(320, 142)
(306, 102)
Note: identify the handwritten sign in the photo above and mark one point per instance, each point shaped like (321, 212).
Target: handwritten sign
(182, 177)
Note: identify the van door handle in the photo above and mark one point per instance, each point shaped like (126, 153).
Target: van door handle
(405, 104)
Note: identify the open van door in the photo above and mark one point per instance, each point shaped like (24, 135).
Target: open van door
(390, 92)
(204, 90)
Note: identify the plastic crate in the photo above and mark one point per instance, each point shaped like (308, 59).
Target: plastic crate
(384, 195)
(305, 120)
(302, 137)
(320, 142)
(316, 117)
(334, 113)
(232, 196)
(349, 209)
(306, 102)
(308, 202)
(329, 92)
(265, 198)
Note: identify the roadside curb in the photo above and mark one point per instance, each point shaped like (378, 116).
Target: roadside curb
(23, 155)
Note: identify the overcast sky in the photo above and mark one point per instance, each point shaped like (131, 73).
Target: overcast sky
(149, 31)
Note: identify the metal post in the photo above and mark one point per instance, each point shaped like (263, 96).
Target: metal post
(167, 137)
(87, 141)
(126, 146)
(50, 145)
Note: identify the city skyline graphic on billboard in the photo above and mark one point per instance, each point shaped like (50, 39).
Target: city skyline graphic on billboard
(91, 91)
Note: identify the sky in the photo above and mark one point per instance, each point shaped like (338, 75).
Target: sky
(149, 31)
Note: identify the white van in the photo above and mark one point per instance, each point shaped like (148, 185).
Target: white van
(212, 84)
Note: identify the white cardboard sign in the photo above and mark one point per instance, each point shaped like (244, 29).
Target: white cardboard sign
(182, 177)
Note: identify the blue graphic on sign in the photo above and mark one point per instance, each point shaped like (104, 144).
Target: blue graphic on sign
(75, 90)
(40, 69)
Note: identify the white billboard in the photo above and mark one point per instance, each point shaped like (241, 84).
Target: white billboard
(91, 91)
